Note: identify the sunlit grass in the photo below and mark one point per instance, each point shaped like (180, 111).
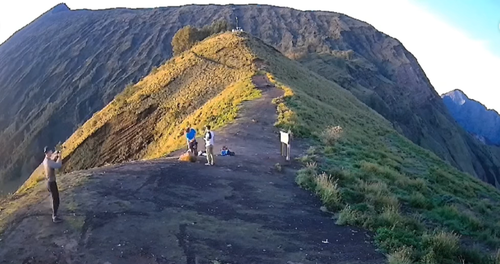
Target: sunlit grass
(202, 86)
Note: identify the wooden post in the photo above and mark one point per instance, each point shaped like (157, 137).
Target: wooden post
(289, 148)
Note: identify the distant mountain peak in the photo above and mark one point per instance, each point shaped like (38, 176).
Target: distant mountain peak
(474, 117)
(457, 95)
(62, 7)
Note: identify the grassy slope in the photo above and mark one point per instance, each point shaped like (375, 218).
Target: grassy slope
(202, 86)
(80, 73)
(372, 176)
(424, 124)
(421, 209)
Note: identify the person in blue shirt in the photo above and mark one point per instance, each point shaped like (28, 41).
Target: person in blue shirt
(191, 140)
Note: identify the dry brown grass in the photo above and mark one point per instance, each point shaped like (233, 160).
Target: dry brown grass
(202, 86)
(332, 134)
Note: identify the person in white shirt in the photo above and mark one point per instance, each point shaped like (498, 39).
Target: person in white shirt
(209, 146)
(50, 163)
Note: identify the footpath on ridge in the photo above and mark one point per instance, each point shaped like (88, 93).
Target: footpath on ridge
(242, 210)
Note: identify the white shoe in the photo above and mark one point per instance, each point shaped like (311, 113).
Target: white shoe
(56, 219)
(207, 164)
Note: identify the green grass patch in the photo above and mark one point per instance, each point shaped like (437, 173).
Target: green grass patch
(421, 209)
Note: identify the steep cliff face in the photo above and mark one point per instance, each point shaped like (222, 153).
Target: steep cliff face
(474, 117)
(385, 76)
(68, 64)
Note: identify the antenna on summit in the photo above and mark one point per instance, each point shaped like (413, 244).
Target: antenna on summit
(237, 29)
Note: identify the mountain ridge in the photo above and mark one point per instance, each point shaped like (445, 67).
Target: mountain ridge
(473, 116)
(468, 98)
(71, 76)
(352, 159)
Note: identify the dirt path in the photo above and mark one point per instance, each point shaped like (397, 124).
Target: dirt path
(240, 211)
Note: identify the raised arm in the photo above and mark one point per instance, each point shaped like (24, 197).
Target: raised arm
(55, 164)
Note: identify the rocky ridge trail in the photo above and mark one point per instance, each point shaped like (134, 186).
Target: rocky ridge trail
(242, 210)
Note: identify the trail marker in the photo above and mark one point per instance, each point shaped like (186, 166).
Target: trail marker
(285, 138)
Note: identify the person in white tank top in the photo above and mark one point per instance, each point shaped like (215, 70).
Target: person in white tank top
(209, 146)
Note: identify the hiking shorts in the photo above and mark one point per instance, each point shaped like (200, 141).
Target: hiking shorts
(193, 146)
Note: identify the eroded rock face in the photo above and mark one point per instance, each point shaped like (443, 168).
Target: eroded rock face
(474, 117)
(66, 65)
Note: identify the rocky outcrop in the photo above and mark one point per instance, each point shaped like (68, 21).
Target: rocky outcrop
(62, 7)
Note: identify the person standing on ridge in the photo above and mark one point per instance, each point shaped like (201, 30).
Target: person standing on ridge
(191, 140)
(50, 163)
(209, 146)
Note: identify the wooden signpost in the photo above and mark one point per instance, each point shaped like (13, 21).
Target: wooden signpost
(285, 138)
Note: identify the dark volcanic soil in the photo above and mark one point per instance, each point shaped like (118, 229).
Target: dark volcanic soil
(242, 210)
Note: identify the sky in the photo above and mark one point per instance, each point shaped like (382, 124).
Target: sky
(457, 42)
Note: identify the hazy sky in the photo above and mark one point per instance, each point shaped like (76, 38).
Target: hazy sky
(457, 42)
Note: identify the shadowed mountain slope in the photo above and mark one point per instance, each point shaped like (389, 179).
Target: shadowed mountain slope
(474, 117)
(68, 64)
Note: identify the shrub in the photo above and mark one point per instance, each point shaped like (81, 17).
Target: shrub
(184, 39)
(420, 184)
(441, 246)
(418, 200)
(377, 194)
(328, 191)
(187, 36)
(401, 256)
(455, 219)
(391, 217)
(378, 188)
(349, 216)
(216, 27)
(394, 238)
(331, 135)
(305, 176)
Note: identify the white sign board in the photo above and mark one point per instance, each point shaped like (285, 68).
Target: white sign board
(284, 137)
